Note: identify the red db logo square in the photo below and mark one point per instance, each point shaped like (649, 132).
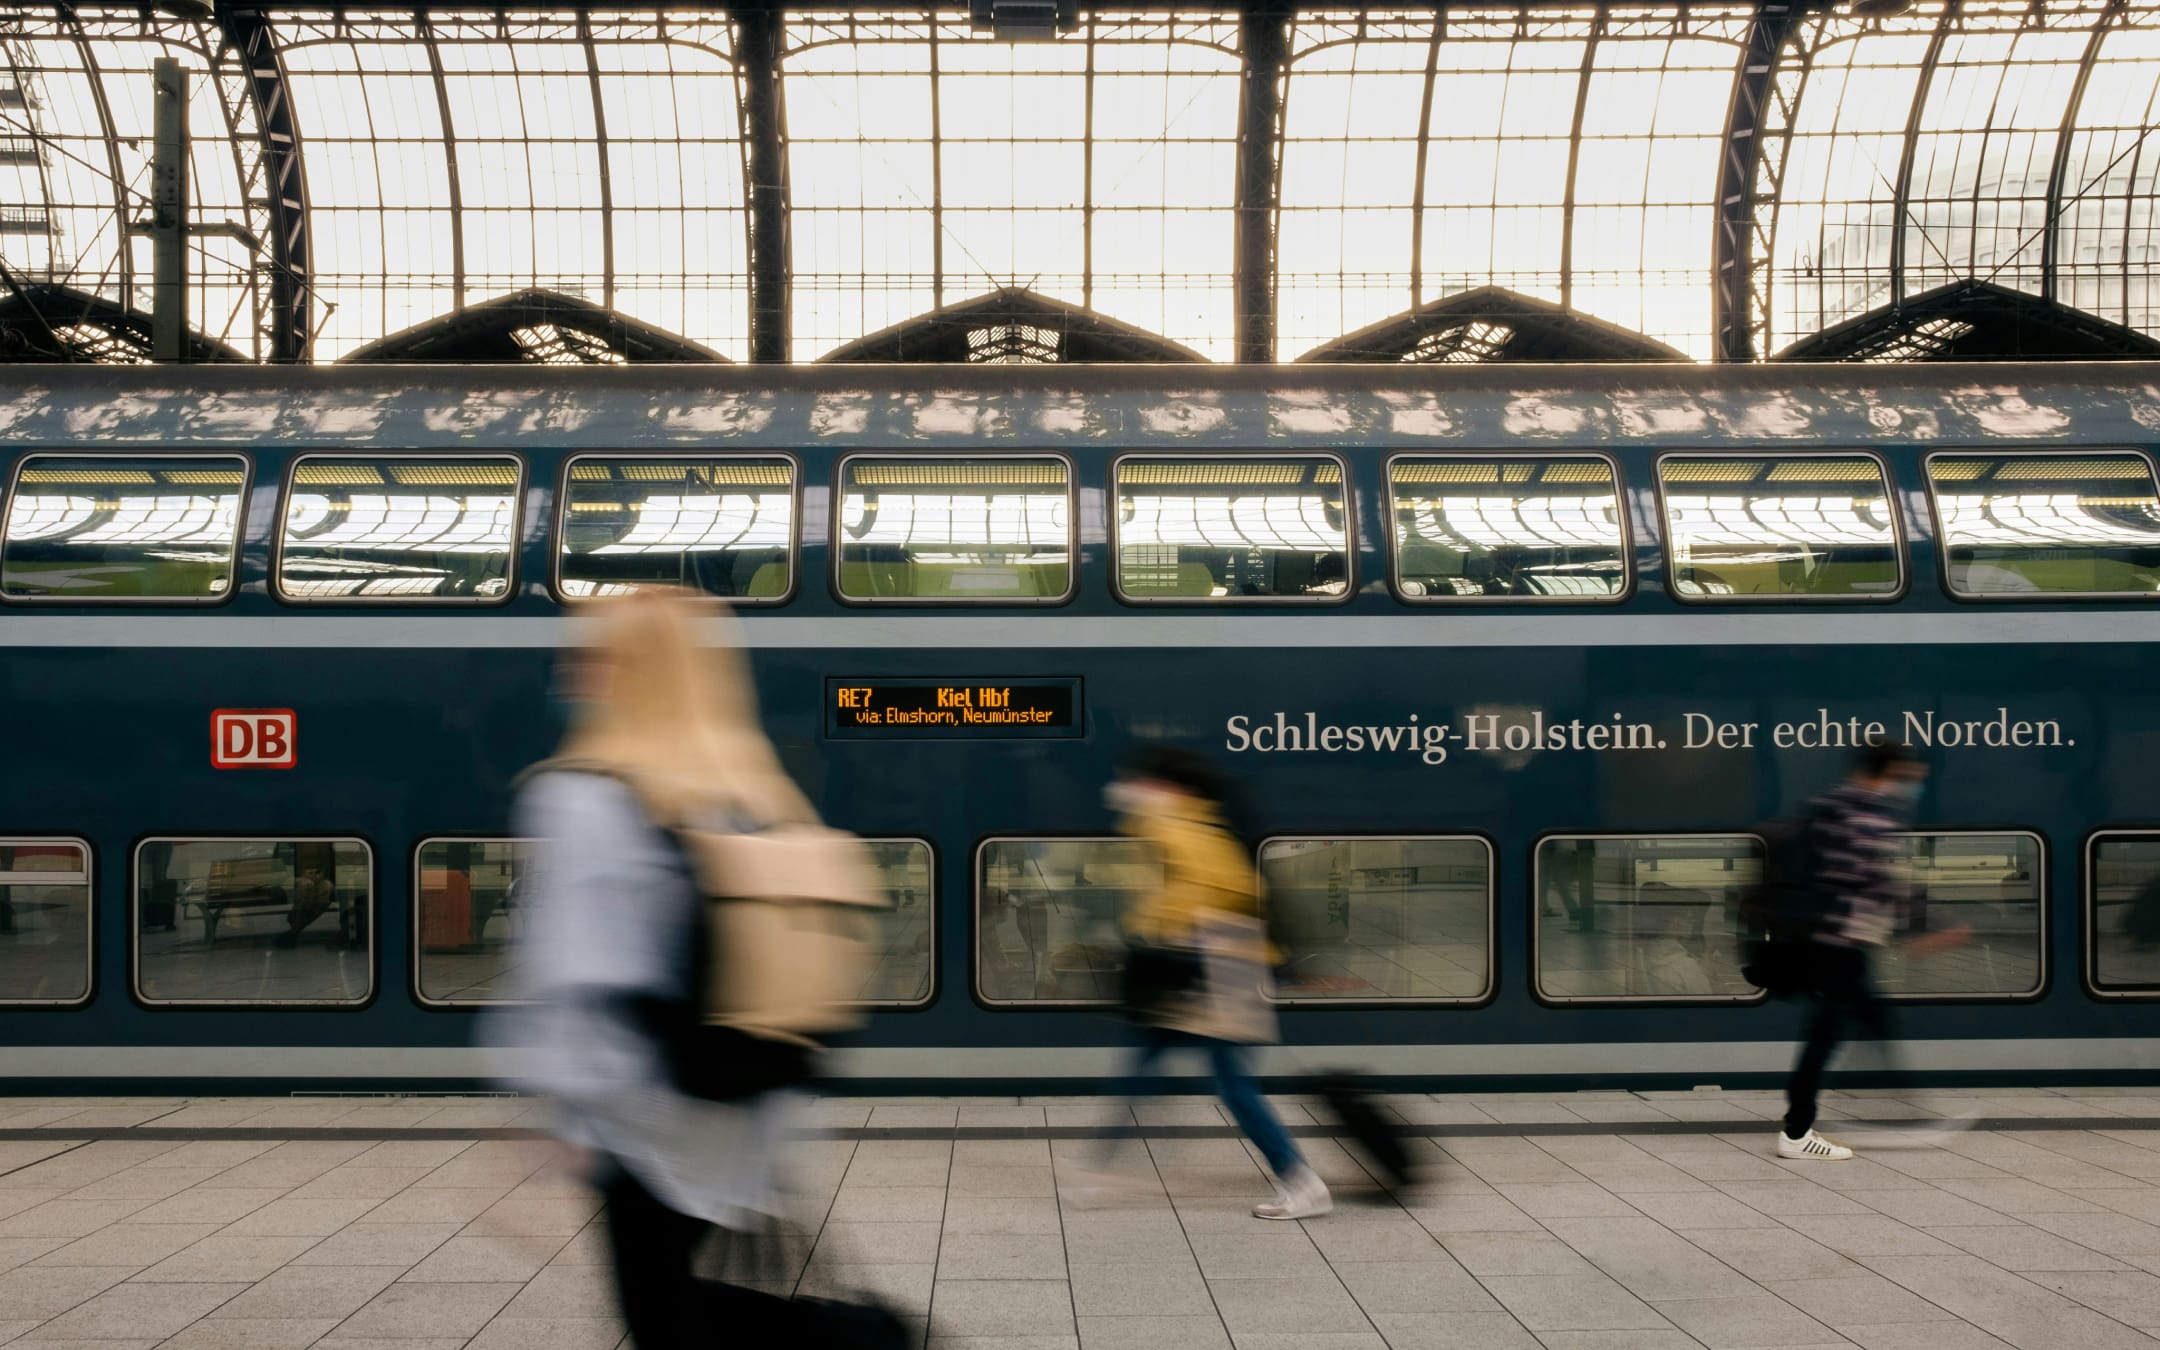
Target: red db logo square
(253, 738)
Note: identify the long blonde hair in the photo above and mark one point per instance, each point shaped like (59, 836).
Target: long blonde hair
(678, 720)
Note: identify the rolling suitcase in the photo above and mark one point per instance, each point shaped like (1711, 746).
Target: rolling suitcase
(1371, 1133)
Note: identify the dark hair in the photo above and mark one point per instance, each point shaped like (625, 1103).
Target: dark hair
(1182, 769)
(1881, 754)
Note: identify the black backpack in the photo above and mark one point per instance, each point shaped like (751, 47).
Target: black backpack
(1781, 912)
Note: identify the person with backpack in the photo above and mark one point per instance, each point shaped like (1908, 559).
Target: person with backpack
(1197, 953)
(1837, 901)
(662, 764)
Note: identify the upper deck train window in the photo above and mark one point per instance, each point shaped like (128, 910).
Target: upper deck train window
(44, 921)
(1229, 530)
(2048, 524)
(399, 530)
(1816, 527)
(1508, 529)
(955, 531)
(721, 526)
(87, 528)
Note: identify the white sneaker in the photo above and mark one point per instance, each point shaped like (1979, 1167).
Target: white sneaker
(1301, 1195)
(1811, 1146)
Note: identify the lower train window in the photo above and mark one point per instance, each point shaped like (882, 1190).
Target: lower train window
(44, 921)
(472, 904)
(1047, 917)
(1508, 529)
(1394, 920)
(1224, 530)
(721, 526)
(954, 530)
(254, 921)
(2048, 524)
(1624, 917)
(1816, 527)
(368, 529)
(133, 528)
(1988, 883)
(2122, 914)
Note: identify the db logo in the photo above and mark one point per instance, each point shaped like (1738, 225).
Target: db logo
(252, 738)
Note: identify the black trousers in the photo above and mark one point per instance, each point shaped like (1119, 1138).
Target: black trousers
(665, 1303)
(1841, 1000)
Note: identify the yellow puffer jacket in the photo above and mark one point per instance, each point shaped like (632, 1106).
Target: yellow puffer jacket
(1204, 868)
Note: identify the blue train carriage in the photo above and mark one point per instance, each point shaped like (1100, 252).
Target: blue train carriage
(1507, 663)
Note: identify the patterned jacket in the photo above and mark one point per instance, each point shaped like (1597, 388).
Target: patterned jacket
(1855, 846)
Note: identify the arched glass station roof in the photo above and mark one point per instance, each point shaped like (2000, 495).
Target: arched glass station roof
(1258, 181)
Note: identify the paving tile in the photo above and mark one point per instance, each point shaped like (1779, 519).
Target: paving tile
(2015, 1195)
(138, 1310)
(1707, 1208)
(1867, 1235)
(292, 1217)
(218, 1332)
(1791, 1198)
(2026, 1249)
(1413, 1287)
(208, 1205)
(1772, 1254)
(456, 1311)
(890, 1204)
(435, 1204)
(2126, 1296)
(566, 1291)
(1926, 1336)
(68, 1218)
(127, 1244)
(533, 1215)
(1667, 1339)
(1162, 1290)
(1579, 1302)
(311, 1291)
(1346, 1237)
(1001, 1256)
(377, 1244)
(997, 1181)
(1287, 1306)
(1279, 1250)
(1932, 1206)
(36, 1295)
(2004, 1304)
(1182, 1332)
(226, 1255)
(556, 1333)
(482, 1257)
(1745, 1320)
(1001, 1308)
(1651, 1262)
(903, 1288)
(1846, 1301)
(1308, 1340)
(1484, 1254)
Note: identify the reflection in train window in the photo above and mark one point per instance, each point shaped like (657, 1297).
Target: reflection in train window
(1405, 920)
(472, 906)
(44, 921)
(2048, 524)
(1507, 529)
(1644, 917)
(1228, 530)
(1820, 527)
(1970, 924)
(2122, 913)
(955, 530)
(904, 950)
(721, 526)
(1048, 916)
(131, 528)
(267, 921)
(399, 530)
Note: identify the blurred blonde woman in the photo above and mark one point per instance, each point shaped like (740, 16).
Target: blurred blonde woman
(661, 729)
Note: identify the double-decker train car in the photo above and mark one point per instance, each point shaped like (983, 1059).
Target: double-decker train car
(1508, 663)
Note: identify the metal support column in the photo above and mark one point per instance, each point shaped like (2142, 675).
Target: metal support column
(1264, 38)
(1732, 246)
(169, 213)
(281, 188)
(760, 34)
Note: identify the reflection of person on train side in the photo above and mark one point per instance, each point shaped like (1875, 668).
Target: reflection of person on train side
(314, 889)
(1669, 952)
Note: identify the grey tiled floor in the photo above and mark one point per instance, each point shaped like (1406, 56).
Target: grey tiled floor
(1554, 1233)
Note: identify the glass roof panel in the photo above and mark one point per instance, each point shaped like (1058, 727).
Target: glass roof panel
(2108, 248)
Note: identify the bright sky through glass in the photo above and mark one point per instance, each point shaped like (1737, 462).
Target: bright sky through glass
(1568, 154)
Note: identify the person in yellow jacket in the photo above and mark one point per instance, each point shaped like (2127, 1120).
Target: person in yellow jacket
(1197, 953)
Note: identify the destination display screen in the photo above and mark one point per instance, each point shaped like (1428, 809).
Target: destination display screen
(1033, 706)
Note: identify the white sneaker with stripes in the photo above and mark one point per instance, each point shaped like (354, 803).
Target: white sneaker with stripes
(1811, 1146)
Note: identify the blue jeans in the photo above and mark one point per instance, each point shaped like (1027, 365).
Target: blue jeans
(1234, 1083)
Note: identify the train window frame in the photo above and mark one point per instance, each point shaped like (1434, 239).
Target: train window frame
(2090, 931)
(517, 530)
(419, 995)
(1492, 922)
(1072, 534)
(375, 911)
(90, 924)
(1900, 536)
(1943, 543)
(1114, 503)
(975, 930)
(1537, 883)
(1629, 550)
(561, 516)
(2043, 972)
(235, 554)
(937, 930)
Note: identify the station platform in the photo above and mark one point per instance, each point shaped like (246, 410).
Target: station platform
(1545, 1221)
